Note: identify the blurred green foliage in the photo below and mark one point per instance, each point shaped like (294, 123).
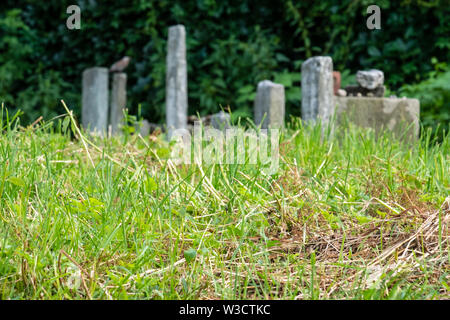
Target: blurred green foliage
(232, 44)
(434, 96)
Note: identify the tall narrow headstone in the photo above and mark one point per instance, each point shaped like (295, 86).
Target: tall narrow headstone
(118, 101)
(317, 89)
(94, 113)
(176, 80)
(269, 105)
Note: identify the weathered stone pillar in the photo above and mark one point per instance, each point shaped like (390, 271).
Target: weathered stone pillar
(317, 89)
(118, 101)
(94, 113)
(269, 105)
(176, 80)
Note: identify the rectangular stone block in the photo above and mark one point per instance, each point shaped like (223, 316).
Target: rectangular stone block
(336, 81)
(401, 116)
(317, 89)
(269, 105)
(94, 107)
(176, 80)
(118, 101)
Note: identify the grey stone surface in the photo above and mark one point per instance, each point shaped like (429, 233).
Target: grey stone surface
(269, 105)
(221, 120)
(370, 79)
(317, 89)
(400, 116)
(176, 80)
(118, 101)
(94, 113)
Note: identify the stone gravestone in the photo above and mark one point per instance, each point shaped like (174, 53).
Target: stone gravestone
(176, 80)
(118, 101)
(94, 113)
(400, 116)
(269, 105)
(221, 120)
(317, 89)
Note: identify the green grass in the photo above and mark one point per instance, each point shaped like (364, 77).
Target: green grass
(347, 217)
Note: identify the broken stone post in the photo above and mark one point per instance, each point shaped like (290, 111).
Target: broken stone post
(94, 113)
(176, 80)
(317, 89)
(269, 105)
(118, 101)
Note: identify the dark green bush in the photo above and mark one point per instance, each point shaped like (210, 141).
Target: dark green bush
(232, 44)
